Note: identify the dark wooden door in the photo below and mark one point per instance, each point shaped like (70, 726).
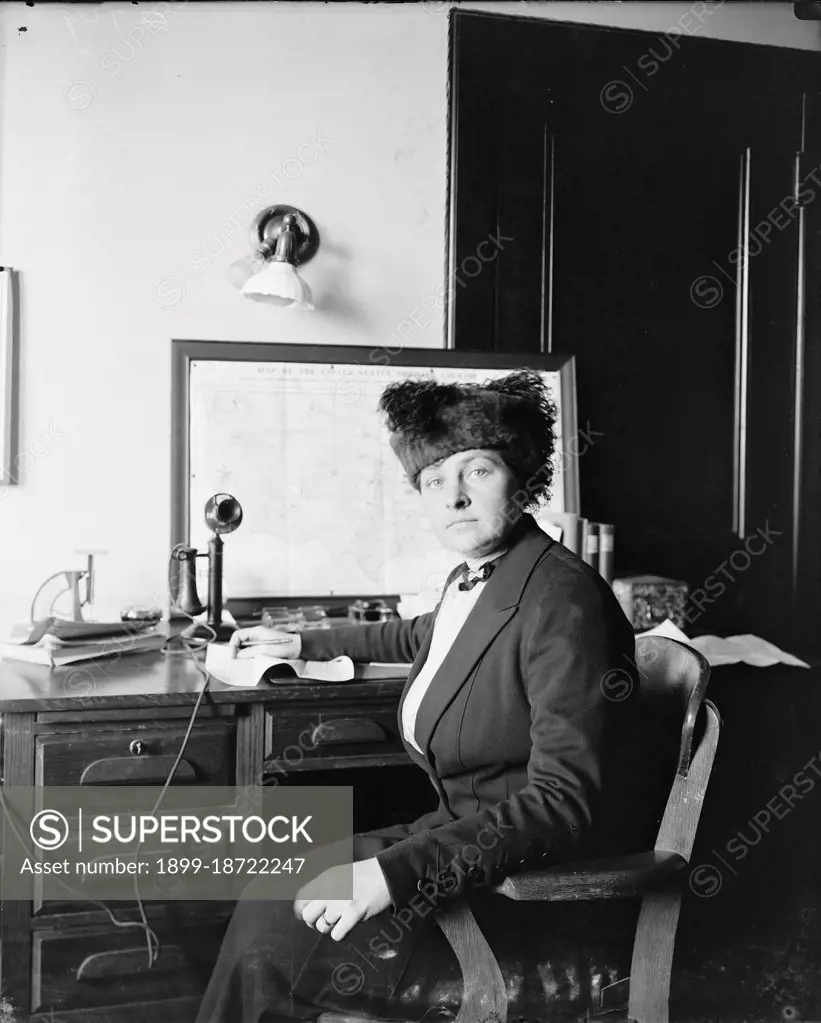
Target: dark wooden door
(621, 171)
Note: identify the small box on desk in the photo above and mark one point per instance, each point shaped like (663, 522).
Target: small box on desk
(648, 600)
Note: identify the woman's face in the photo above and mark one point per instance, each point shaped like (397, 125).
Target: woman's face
(467, 500)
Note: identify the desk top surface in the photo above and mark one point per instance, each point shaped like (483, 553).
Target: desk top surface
(153, 680)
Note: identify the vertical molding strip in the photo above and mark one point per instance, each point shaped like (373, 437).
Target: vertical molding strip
(737, 356)
(8, 374)
(548, 207)
(451, 90)
(742, 351)
(800, 343)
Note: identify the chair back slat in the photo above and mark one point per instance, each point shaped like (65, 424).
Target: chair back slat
(673, 680)
(678, 826)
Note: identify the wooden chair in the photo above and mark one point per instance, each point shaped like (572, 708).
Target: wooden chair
(671, 675)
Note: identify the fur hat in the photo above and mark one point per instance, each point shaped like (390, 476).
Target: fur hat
(512, 415)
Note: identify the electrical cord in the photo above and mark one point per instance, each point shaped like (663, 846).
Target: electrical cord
(191, 647)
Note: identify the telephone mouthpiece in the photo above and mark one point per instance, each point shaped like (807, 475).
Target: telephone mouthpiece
(223, 513)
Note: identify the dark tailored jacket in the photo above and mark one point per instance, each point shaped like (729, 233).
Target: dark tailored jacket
(529, 736)
(527, 728)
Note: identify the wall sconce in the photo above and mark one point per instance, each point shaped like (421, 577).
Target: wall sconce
(287, 238)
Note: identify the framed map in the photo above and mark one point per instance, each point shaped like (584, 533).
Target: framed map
(293, 433)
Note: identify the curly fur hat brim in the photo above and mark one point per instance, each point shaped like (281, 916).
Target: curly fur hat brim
(513, 415)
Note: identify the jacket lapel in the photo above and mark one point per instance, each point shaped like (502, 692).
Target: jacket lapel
(495, 607)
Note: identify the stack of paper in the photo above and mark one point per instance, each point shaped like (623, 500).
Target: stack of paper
(56, 652)
(747, 648)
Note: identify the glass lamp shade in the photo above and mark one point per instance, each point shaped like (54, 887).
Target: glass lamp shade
(243, 269)
(278, 283)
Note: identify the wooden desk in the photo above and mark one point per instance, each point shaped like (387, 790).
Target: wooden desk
(134, 713)
(56, 723)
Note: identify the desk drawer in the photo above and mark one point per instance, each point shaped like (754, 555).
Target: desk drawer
(82, 968)
(304, 739)
(137, 755)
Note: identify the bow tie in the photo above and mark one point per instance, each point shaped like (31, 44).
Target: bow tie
(481, 575)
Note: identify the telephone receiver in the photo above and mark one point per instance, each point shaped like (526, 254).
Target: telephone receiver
(223, 514)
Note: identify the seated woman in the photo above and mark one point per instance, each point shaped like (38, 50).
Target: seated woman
(509, 708)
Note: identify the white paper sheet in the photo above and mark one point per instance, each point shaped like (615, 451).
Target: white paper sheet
(249, 666)
(747, 648)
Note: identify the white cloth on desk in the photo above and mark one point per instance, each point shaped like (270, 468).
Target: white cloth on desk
(456, 606)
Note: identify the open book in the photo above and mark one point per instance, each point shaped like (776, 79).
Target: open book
(256, 663)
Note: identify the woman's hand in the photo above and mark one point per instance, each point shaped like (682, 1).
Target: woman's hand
(283, 644)
(337, 916)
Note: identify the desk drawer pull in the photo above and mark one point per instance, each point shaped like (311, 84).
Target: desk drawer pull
(343, 730)
(105, 755)
(122, 962)
(150, 770)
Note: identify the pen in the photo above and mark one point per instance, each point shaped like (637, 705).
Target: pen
(262, 642)
(234, 648)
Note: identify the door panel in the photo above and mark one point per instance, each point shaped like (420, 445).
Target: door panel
(614, 163)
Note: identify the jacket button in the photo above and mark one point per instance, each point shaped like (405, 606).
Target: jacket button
(448, 881)
(420, 885)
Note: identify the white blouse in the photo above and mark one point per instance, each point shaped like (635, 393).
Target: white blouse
(456, 606)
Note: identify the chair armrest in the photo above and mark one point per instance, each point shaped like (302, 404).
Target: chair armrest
(618, 877)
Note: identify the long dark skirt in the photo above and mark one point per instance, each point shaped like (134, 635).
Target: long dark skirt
(554, 957)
